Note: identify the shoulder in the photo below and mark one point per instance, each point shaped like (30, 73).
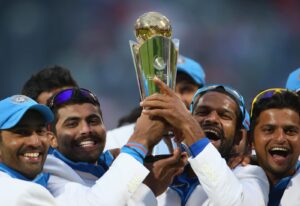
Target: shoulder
(291, 194)
(249, 170)
(61, 174)
(19, 192)
(57, 167)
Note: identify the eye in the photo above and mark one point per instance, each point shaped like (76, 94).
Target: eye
(268, 129)
(226, 116)
(23, 132)
(291, 131)
(42, 131)
(94, 120)
(71, 124)
(187, 89)
(201, 112)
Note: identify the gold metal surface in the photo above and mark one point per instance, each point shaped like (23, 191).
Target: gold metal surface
(152, 24)
(154, 53)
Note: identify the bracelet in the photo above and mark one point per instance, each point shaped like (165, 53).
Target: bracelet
(140, 147)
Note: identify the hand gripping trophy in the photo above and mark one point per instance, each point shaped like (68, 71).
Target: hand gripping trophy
(155, 54)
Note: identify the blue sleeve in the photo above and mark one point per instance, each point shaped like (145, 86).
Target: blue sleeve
(198, 146)
(132, 152)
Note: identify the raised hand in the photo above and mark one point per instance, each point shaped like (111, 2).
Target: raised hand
(168, 105)
(148, 132)
(162, 172)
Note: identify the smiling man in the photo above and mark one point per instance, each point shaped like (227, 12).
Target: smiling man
(24, 142)
(81, 174)
(275, 127)
(210, 132)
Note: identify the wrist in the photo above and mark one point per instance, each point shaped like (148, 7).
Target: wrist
(139, 140)
(192, 132)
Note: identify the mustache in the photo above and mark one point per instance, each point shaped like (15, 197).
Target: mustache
(31, 148)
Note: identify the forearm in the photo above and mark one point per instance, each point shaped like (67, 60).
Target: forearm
(216, 178)
(143, 197)
(115, 187)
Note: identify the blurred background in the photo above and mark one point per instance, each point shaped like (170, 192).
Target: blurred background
(250, 45)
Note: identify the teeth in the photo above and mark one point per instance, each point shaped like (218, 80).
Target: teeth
(86, 143)
(211, 131)
(275, 149)
(32, 155)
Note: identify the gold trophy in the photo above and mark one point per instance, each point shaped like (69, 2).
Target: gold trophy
(155, 54)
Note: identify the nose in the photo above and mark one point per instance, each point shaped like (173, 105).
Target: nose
(279, 135)
(34, 140)
(212, 117)
(85, 128)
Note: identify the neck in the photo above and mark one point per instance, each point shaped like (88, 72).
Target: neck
(14, 173)
(275, 178)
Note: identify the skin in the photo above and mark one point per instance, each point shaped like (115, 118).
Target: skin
(277, 128)
(217, 112)
(24, 147)
(186, 91)
(168, 105)
(80, 132)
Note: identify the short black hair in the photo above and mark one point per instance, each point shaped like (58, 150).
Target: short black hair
(48, 79)
(281, 100)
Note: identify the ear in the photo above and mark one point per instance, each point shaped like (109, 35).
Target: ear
(240, 134)
(53, 140)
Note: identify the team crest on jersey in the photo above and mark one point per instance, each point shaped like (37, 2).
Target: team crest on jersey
(19, 99)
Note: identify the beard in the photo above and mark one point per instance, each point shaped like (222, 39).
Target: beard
(217, 137)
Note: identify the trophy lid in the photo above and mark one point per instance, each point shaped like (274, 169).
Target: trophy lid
(152, 24)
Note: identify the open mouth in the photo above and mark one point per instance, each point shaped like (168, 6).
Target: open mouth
(212, 134)
(279, 152)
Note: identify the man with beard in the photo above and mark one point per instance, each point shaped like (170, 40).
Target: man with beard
(209, 133)
(81, 175)
(275, 128)
(24, 142)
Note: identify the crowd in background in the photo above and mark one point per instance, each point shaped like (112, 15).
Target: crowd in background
(237, 43)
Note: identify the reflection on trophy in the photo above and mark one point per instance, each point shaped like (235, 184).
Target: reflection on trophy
(155, 54)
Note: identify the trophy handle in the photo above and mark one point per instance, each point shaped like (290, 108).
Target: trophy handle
(174, 53)
(134, 53)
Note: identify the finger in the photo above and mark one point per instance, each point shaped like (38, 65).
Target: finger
(155, 113)
(178, 171)
(170, 173)
(158, 97)
(168, 162)
(154, 104)
(164, 89)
